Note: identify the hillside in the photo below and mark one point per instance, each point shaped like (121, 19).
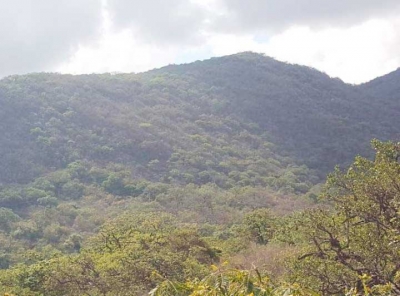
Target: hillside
(232, 105)
(320, 120)
(155, 128)
(385, 87)
(205, 147)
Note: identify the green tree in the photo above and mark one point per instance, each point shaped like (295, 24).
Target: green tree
(359, 243)
(129, 256)
(231, 282)
(7, 219)
(259, 226)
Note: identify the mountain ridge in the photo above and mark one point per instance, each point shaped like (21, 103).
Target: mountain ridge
(339, 93)
(319, 120)
(249, 53)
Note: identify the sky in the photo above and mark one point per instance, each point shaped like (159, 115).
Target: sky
(354, 40)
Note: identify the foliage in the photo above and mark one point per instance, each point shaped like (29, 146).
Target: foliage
(231, 282)
(259, 226)
(129, 256)
(359, 240)
(113, 184)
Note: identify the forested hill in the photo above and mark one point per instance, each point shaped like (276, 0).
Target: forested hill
(111, 184)
(244, 117)
(321, 120)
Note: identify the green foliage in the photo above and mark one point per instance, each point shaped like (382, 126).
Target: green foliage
(7, 218)
(113, 184)
(259, 226)
(231, 282)
(360, 238)
(130, 255)
(238, 113)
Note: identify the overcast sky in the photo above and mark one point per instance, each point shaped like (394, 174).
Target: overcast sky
(355, 40)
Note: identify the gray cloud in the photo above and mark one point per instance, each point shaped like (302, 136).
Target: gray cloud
(37, 35)
(160, 21)
(275, 15)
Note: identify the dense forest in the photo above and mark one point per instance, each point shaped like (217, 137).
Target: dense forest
(207, 178)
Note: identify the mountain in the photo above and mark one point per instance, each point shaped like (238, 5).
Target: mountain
(200, 122)
(320, 120)
(187, 164)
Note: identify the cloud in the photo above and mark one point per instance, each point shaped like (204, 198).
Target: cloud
(118, 52)
(355, 54)
(278, 15)
(160, 22)
(123, 50)
(37, 35)
(355, 40)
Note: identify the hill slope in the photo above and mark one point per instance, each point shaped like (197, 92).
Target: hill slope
(385, 87)
(199, 122)
(208, 141)
(321, 120)
(152, 127)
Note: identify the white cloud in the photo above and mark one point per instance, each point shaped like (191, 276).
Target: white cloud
(117, 51)
(354, 53)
